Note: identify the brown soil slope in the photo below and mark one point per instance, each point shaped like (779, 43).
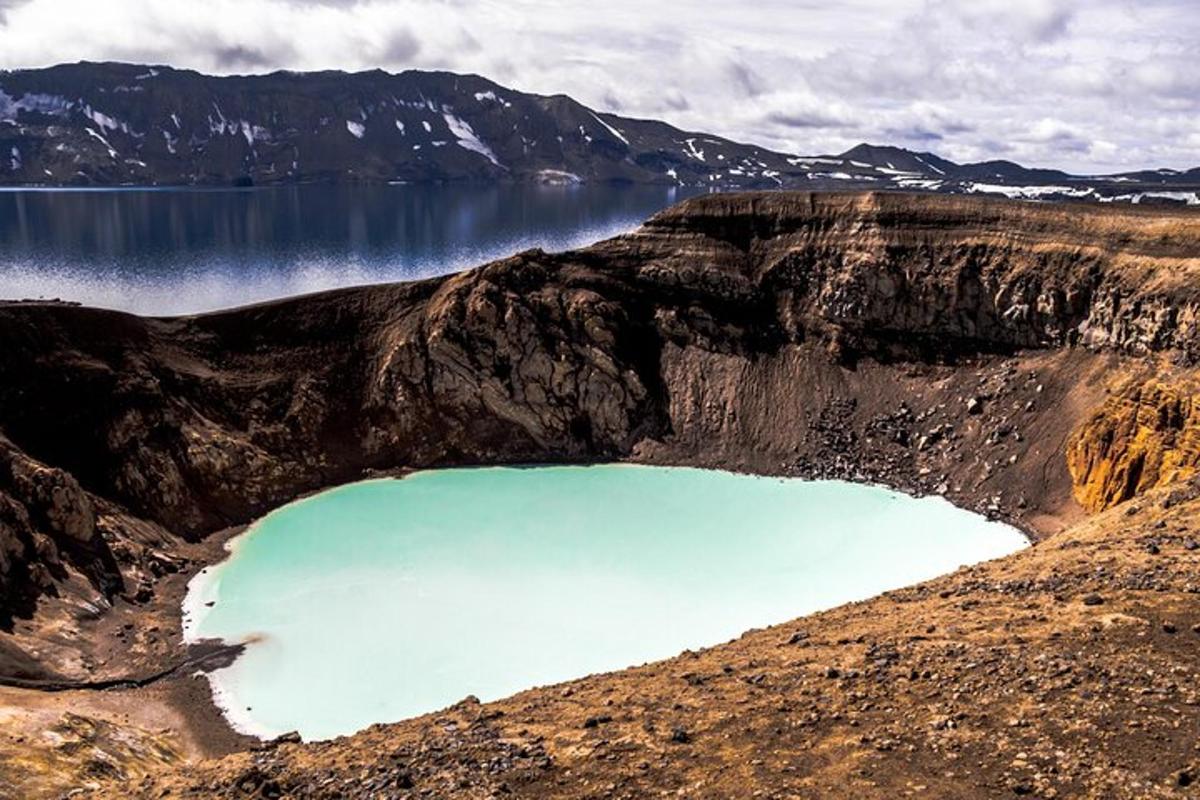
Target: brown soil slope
(1009, 356)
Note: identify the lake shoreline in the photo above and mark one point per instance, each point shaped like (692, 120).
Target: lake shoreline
(802, 546)
(206, 732)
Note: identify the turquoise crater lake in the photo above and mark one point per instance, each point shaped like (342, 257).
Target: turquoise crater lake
(386, 599)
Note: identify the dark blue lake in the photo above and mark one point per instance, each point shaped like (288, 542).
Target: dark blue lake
(185, 251)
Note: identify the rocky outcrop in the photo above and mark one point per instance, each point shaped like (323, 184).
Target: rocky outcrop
(1146, 435)
(885, 274)
(519, 365)
(640, 346)
(46, 522)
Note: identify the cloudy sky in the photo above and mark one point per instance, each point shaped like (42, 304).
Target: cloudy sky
(1088, 85)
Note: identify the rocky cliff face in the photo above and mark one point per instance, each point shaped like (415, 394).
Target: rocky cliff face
(44, 515)
(1146, 435)
(688, 338)
(882, 273)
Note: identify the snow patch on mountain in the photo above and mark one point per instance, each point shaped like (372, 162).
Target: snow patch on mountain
(49, 104)
(558, 177)
(1029, 192)
(928, 184)
(467, 139)
(103, 121)
(112, 153)
(837, 176)
(931, 166)
(1187, 198)
(810, 160)
(611, 129)
(490, 97)
(216, 126)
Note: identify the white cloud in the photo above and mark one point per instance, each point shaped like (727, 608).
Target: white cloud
(1089, 85)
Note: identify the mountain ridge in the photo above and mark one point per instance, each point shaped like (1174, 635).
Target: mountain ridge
(111, 124)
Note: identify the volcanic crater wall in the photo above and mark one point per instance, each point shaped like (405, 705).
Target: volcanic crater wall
(121, 434)
(1146, 435)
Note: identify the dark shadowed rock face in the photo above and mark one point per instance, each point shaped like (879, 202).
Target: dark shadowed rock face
(45, 519)
(692, 333)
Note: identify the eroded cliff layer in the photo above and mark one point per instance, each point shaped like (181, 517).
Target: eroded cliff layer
(1145, 435)
(938, 344)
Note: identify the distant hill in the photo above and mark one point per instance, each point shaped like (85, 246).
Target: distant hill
(886, 166)
(112, 124)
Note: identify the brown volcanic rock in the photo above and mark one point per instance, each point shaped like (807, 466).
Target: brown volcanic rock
(931, 343)
(516, 361)
(895, 270)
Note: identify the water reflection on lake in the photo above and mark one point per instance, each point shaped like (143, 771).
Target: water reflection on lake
(184, 251)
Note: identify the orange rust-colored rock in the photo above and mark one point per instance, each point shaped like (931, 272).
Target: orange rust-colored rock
(1146, 435)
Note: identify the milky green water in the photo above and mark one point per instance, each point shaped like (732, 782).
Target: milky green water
(386, 599)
